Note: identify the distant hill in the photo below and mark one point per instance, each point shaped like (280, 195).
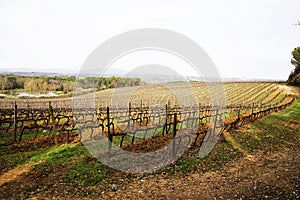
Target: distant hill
(32, 72)
(146, 76)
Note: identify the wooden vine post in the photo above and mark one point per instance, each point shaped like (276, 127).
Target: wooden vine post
(53, 122)
(166, 121)
(108, 130)
(174, 135)
(15, 121)
(239, 112)
(129, 114)
(260, 106)
(215, 121)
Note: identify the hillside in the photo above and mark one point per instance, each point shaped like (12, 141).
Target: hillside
(258, 160)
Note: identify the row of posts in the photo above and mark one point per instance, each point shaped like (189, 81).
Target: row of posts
(109, 123)
(51, 117)
(110, 136)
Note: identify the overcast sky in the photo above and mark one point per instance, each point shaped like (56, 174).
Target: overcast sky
(245, 38)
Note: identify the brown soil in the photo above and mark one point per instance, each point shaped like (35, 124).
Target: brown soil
(272, 176)
(275, 175)
(13, 174)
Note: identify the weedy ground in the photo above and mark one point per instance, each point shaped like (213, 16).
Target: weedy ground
(260, 160)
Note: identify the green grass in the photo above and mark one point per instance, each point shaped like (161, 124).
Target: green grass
(16, 159)
(78, 165)
(7, 138)
(81, 173)
(269, 134)
(222, 153)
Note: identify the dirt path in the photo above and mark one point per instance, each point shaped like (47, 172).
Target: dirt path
(13, 174)
(272, 176)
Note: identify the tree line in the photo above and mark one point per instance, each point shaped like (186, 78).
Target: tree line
(294, 78)
(103, 83)
(35, 84)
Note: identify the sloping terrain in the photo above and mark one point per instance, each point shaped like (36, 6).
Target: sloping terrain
(258, 161)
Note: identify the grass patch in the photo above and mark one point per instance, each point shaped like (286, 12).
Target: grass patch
(222, 153)
(269, 134)
(60, 154)
(272, 132)
(16, 159)
(8, 138)
(85, 173)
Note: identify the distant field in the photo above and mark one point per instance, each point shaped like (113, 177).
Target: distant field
(236, 93)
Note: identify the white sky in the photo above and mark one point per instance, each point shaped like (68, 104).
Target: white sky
(245, 38)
